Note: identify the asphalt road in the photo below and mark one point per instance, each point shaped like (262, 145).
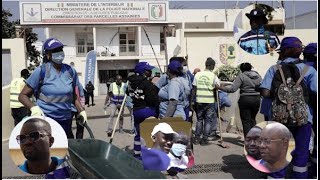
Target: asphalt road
(211, 162)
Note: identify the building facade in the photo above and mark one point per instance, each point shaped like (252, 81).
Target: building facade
(124, 33)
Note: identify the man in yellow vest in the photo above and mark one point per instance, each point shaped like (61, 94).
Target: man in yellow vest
(116, 96)
(204, 83)
(18, 111)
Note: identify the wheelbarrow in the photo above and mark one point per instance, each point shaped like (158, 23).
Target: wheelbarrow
(97, 159)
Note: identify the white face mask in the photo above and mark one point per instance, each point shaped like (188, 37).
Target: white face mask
(58, 57)
(178, 149)
(185, 69)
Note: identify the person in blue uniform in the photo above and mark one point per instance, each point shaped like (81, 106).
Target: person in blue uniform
(187, 79)
(56, 89)
(258, 40)
(144, 96)
(172, 96)
(310, 58)
(290, 50)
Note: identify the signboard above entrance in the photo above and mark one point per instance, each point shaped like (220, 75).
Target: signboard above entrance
(93, 12)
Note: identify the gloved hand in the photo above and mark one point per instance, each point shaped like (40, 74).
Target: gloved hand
(36, 111)
(83, 116)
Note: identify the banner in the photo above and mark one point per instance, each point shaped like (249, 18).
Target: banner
(90, 67)
(39, 12)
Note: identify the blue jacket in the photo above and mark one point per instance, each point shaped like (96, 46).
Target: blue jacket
(254, 41)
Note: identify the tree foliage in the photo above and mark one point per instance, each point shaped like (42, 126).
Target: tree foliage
(9, 31)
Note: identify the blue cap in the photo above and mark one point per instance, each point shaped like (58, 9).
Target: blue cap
(51, 43)
(154, 159)
(290, 42)
(142, 66)
(310, 48)
(174, 65)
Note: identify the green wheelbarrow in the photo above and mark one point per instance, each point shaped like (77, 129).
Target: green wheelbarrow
(97, 159)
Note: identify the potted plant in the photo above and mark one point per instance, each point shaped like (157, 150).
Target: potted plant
(227, 72)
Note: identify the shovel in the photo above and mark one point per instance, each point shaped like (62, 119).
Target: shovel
(221, 143)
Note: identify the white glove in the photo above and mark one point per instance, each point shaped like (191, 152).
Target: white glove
(36, 111)
(83, 114)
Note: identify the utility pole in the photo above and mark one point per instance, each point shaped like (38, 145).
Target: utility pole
(165, 43)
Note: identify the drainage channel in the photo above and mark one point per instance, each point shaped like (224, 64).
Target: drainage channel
(218, 167)
(196, 169)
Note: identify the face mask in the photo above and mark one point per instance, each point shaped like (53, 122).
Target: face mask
(58, 57)
(185, 69)
(178, 149)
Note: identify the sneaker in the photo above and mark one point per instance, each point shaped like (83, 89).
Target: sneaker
(131, 132)
(204, 142)
(196, 141)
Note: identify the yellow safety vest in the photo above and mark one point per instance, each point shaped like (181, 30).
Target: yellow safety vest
(205, 87)
(118, 94)
(16, 87)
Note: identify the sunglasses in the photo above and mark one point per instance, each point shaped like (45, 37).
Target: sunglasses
(34, 136)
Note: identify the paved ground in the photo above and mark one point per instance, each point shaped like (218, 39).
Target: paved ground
(212, 161)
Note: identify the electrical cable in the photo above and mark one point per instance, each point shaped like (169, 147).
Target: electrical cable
(152, 48)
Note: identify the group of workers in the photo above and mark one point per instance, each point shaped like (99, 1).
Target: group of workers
(177, 93)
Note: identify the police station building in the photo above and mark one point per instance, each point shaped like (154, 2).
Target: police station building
(126, 32)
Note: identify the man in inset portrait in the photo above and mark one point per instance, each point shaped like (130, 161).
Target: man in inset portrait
(274, 143)
(258, 40)
(35, 141)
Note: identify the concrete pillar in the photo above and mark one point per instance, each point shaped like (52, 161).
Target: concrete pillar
(139, 41)
(94, 29)
(182, 40)
(96, 81)
(47, 33)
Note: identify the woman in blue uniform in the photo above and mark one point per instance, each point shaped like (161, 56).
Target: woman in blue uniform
(172, 95)
(54, 84)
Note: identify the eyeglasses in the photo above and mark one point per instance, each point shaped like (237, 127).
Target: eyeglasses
(34, 136)
(268, 141)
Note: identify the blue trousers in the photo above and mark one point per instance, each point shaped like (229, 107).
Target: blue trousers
(186, 111)
(206, 116)
(139, 116)
(67, 127)
(300, 155)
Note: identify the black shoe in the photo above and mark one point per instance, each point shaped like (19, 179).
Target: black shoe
(93, 104)
(88, 105)
(196, 141)
(204, 142)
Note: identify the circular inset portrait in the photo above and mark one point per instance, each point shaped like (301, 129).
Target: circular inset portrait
(257, 27)
(38, 145)
(268, 146)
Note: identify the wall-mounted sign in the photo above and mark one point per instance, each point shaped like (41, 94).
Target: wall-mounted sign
(93, 12)
(227, 53)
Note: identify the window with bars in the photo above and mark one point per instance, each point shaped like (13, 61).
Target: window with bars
(84, 43)
(127, 41)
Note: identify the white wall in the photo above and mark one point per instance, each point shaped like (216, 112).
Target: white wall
(154, 36)
(104, 36)
(203, 45)
(18, 54)
(18, 62)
